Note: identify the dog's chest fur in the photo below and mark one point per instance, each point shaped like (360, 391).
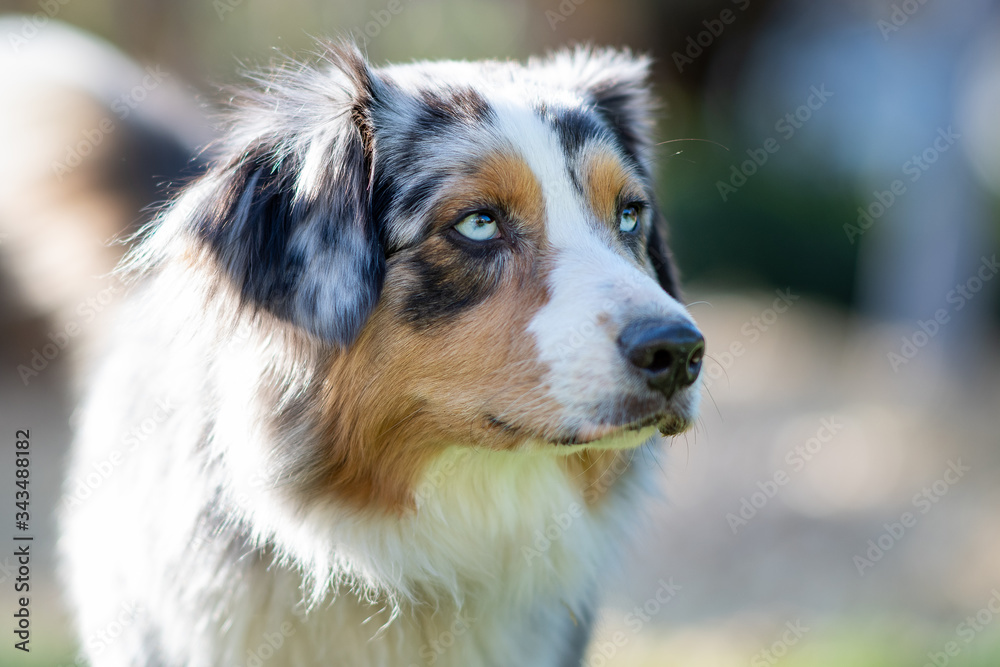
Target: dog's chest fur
(498, 564)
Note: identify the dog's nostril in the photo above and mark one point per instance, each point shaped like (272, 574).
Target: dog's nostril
(694, 362)
(661, 361)
(668, 352)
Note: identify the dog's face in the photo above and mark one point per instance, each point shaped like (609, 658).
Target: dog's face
(477, 244)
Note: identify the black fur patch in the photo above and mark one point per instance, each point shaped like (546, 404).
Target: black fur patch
(440, 114)
(384, 188)
(575, 127)
(460, 104)
(313, 255)
(614, 103)
(249, 226)
(421, 193)
(440, 111)
(448, 281)
(662, 260)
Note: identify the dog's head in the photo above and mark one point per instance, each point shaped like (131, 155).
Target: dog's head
(477, 245)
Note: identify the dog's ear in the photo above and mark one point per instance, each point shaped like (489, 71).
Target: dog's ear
(288, 212)
(617, 83)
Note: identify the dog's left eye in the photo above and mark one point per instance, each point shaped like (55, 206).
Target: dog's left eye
(628, 219)
(478, 227)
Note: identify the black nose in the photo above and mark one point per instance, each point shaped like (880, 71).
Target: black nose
(668, 352)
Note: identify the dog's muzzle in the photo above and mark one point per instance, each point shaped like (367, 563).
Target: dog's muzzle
(667, 352)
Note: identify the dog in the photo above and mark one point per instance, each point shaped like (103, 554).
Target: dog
(388, 384)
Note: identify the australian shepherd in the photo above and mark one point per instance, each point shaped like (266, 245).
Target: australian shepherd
(401, 356)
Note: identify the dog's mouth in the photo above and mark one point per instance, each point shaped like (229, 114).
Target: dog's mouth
(614, 434)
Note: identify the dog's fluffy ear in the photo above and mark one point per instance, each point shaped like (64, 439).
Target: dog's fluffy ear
(288, 216)
(617, 82)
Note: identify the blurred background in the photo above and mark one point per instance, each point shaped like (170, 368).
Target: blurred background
(831, 175)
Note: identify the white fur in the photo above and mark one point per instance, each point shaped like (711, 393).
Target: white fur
(501, 560)
(594, 290)
(470, 550)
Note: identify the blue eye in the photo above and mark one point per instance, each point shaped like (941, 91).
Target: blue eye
(628, 220)
(478, 227)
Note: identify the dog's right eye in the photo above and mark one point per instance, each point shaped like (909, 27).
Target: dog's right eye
(628, 220)
(479, 226)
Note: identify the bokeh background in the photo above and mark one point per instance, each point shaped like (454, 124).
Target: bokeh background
(831, 174)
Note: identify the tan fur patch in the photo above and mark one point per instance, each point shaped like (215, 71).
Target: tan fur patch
(503, 180)
(413, 391)
(607, 182)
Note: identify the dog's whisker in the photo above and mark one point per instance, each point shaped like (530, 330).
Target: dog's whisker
(708, 390)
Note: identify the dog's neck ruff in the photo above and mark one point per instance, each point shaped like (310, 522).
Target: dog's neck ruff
(488, 525)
